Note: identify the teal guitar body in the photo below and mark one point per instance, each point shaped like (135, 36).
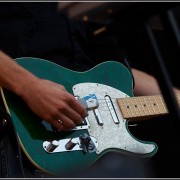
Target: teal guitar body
(36, 136)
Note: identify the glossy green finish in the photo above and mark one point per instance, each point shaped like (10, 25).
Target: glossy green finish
(32, 131)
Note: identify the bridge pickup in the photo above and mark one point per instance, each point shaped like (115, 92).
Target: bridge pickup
(111, 109)
(84, 125)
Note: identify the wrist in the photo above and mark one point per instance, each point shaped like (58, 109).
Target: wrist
(24, 86)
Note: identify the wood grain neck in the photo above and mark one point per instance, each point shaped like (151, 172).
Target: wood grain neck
(143, 107)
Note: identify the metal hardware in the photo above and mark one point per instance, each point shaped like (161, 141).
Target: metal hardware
(87, 144)
(52, 146)
(84, 125)
(98, 117)
(111, 109)
(110, 135)
(90, 102)
(69, 144)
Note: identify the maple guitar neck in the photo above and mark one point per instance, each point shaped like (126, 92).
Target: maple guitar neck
(143, 107)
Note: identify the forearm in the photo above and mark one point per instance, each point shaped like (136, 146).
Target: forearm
(14, 77)
(146, 84)
(49, 100)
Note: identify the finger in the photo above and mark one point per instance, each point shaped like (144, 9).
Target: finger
(73, 115)
(57, 124)
(78, 107)
(66, 121)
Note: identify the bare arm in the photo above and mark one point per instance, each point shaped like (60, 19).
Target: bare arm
(50, 101)
(146, 84)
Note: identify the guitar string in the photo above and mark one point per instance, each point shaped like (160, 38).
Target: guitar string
(115, 101)
(103, 104)
(114, 98)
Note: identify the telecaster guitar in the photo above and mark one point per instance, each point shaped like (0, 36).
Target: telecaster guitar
(107, 89)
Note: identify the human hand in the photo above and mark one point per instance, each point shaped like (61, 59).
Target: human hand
(51, 102)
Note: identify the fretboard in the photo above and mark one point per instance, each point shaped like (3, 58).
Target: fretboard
(143, 107)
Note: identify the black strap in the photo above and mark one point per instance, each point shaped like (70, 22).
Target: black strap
(8, 130)
(3, 124)
(12, 158)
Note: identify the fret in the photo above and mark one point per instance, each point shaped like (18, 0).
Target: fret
(161, 106)
(127, 108)
(143, 112)
(143, 106)
(146, 105)
(123, 109)
(123, 106)
(139, 107)
(130, 108)
(133, 106)
(156, 105)
(149, 103)
(164, 108)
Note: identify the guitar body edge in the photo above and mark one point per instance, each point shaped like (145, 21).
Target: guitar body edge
(32, 131)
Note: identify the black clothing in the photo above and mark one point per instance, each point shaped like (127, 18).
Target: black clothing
(39, 30)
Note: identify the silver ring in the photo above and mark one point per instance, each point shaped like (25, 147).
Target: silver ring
(60, 121)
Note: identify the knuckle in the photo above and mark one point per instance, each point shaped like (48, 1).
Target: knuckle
(51, 115)
(62, 87)
(62, 107)
(69, 98)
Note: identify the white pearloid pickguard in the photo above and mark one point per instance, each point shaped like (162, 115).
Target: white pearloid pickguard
(110, 135)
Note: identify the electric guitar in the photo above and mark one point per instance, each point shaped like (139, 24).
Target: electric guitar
(107, 89)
